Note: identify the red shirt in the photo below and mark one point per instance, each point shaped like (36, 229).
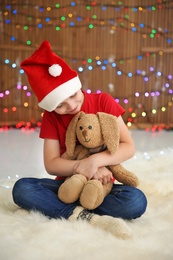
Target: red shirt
(54, 126)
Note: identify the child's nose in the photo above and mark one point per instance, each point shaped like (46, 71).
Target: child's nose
(70, 105)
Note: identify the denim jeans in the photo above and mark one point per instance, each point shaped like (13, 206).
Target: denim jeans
(41, 195)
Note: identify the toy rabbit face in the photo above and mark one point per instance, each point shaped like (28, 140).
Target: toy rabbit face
(88, 131)
(92, 131)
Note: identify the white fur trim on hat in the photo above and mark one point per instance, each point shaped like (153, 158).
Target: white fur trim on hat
(55, 70)
(59, 94)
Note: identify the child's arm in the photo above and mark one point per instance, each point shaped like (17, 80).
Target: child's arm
(62, 167)
(54, 164)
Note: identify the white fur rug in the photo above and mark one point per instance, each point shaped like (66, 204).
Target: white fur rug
(33, 236)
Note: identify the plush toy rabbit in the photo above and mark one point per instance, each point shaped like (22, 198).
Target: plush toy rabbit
(95, 133)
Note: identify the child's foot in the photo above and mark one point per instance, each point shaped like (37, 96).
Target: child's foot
(115, 226)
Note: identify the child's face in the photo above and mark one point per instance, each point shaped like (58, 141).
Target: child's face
(71, 105)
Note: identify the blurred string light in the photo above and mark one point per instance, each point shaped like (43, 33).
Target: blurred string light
(103, 64)
(91, 21)
(158, 5)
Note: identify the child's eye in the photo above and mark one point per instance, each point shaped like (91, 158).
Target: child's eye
(73, 94)
(60, 105)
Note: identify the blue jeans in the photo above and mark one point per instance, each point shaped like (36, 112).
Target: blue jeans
(41, 195)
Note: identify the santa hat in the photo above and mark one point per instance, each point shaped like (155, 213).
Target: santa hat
(51, 79)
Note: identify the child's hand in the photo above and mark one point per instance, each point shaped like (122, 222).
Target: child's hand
(103, 175)
(86, 167)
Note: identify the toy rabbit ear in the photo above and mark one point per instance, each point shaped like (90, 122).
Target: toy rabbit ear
(110, 130)
(70, 139)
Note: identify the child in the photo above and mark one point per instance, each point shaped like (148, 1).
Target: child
(59, 93)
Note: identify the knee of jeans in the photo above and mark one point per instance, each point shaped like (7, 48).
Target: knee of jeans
(19, 188)
(137, 203)
(141, 202)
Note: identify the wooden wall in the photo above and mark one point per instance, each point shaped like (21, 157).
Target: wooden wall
(135, 35)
